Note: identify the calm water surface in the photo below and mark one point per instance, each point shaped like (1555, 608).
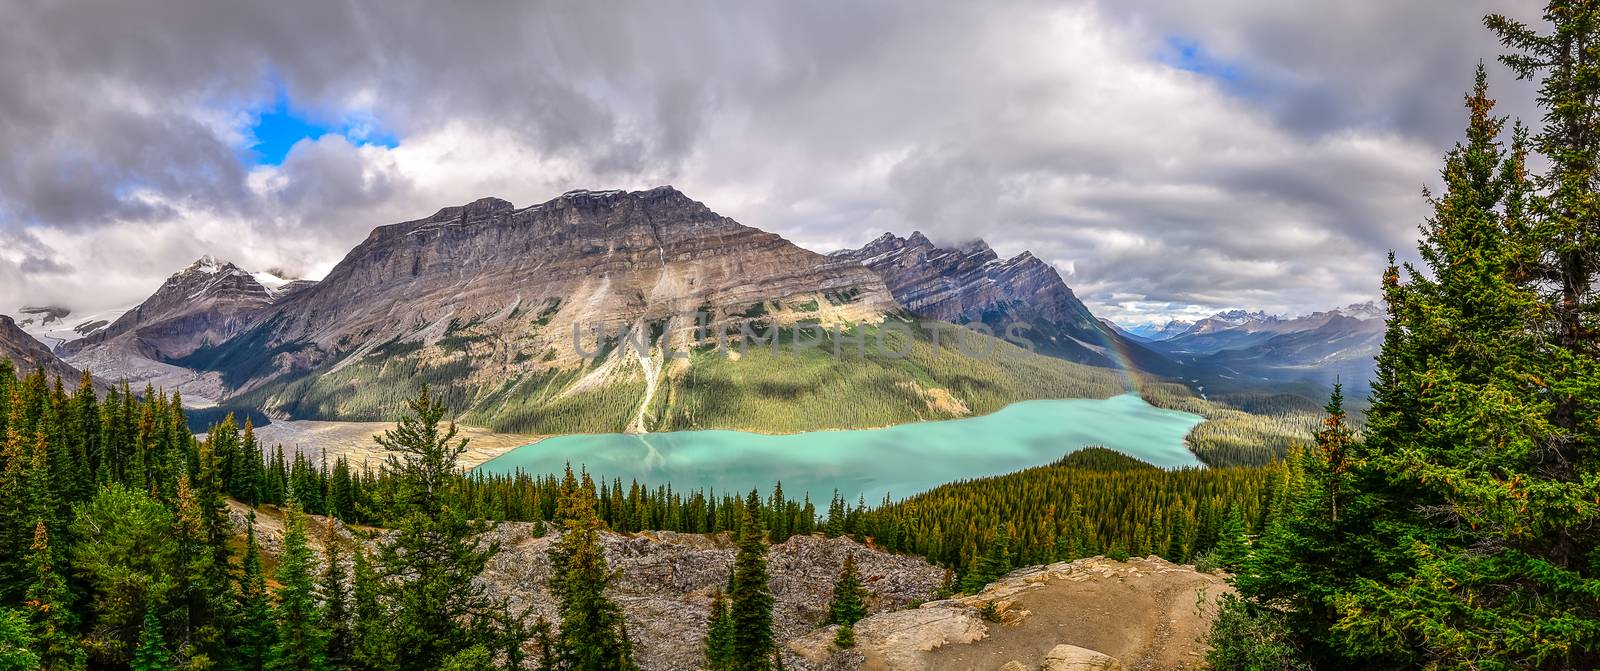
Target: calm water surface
(899, 460)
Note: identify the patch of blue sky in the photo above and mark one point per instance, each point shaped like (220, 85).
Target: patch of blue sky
(279, 127)
(1190, 55)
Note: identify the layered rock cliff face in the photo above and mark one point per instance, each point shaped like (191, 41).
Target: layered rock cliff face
(509, 311)
(27, 354)
(971, 284)
(522, 276)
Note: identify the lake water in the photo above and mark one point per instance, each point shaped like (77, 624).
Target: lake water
(899, 460)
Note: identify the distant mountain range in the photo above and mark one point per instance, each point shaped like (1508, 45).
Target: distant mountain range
(1238, 350)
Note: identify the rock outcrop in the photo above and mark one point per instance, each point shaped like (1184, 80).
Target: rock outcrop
(1095, 613)
(666, 581)
(1092, 613)
(971, 284)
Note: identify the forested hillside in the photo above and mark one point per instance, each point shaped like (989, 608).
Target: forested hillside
(121, 555)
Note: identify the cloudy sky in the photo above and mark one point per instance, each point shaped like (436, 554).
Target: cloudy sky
(1170, 157)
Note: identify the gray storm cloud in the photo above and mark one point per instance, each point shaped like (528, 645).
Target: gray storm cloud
(1156, 186)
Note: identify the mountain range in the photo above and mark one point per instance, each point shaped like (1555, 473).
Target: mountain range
(1239, 350)
(579, 314)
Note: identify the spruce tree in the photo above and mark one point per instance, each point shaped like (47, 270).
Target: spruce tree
(845, 637)
(125, 556)
(16, 637)
(751, 610)
(849, 597)
(369, 617)
(302, 641)
(334, 590)
(256, 632)
(1467, 531)
(719, 635)
(1297, 568)
(203, 587)
(49, 605)
(427, 572)
(834, 527)
(995, 563)
(593, 632)
(1233, 543)
(152, 654)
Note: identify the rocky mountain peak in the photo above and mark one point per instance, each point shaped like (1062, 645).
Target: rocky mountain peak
(1363, 311)
(968, 283)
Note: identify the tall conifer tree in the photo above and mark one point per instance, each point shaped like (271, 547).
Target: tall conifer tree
(751, 609)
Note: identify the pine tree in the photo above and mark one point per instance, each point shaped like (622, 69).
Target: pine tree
(593, 631)
(333, 588)
(719, 635)
(50, 606)
(751, 610)
(16, 639)
(302, 642)
(256, 631)
(151, 655)
(849, 597)
(1233, 544)
(547, 646)
(428, 570)
(995, 563)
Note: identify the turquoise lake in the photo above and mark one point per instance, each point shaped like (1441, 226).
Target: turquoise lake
(900, 460)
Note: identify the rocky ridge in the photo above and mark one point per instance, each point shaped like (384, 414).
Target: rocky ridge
(1094, 613)
(971, 284)
(27, 354)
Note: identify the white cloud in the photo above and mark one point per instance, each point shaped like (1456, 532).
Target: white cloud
(1054, 128)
